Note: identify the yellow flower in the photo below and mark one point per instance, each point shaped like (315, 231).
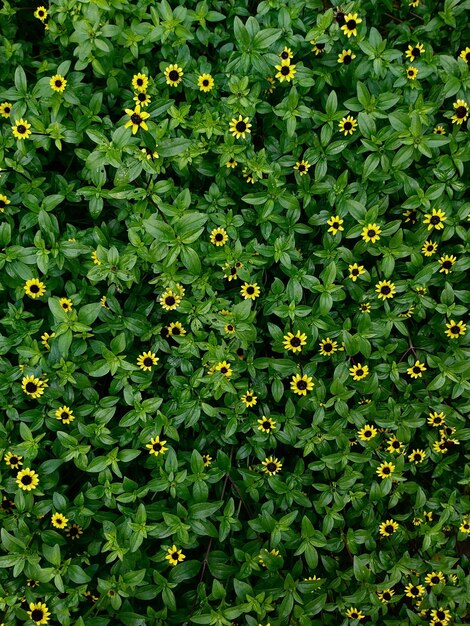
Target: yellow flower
(328, 347)
(34, 288)
(59, 520)
(318, 48)
(353, 613)
(385, 595)
(347, 125)
(358, 372)
(355, 271)
(249, 399)
(32, 386)
(3, 202)
(103, 302)
(414, 591)
(346, 56)
(435, 219)
(365, 307)
(272, 465)
(294, 343)
(465, 55)
(94, 258)
(417, 456)
(385, 289)
(5, 109)
(439, 130)
(74, 531)
(21, 128)
(429, 248)
(13, 460)
(64, 414)
(335, 223)
(455, 329)
(446, 262)
(38, 613)
(173, 75)
(170, 300)
(205, 82)
(58, 83)
(250, 291)
(137, 119)
(416, 370)
(301, 384)
(229, 329)
(434, 578)
(286, 54)
(440, 616)
(206, 459)
(157, 446)
(302, 167)
(147, 360)
(285, 71)
(388, 528)
(371, 233)
(142, 98)
(41, 13)
(174, 329)
(174, 556)
(411, 72)
(465, 527)
(385, 470)
(351, 20)
(394, 445)
(224, 368)
(414, 51)
(436, 419)
(231, 163)
(219, 237)
(273, 552)
(266, 424)
(239, 127)
(367, 433)
(66, 304)
(45, 340)
(27, 479)
(140, 82)
(461, 112)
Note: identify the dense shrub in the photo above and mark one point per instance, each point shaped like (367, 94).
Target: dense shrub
(234, 357)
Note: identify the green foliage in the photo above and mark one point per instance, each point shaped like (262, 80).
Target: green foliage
(225, 315)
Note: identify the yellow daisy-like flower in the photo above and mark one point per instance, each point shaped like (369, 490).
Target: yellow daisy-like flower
(66, 304)
(385, 470)
(170, 300)
(318, 48)
(250, 291)
(447, 262)
(137, 119)
(273, 552)
(417, 456)
(13, 460)
(34, 288)
(249, 399)
(142, 98)
(286, 54)
(271, 465)
(249, 176)
(435, 219)
(38, 612)
(388, 528)
(440, 616)
(434, 578)
(207, 460)
(231, 163)
(157, 446)
(301, 384)
(229, 329)
(455, 329)
(266, 424)
(103, 301)
(239, 127)
(59, 520)
(140, 82)
(21, 128)
(94, 258)
(385, 595)
(358, 372)
(174, 556)
(465, 55)
(395, 446)
(411, 72)
(385, 289)
(365, 307)
(414, 591)
(302, 167)
(465, 527)
(346, 56)
(147, 360)
(414, 51)
(328, 347)
(175, 329)
(5, 109)
(27, 479)
(335, 224)
(3, 203)
(294, 343)
(285, 71)
(74, 531)
(173, 75)
(355, 271)
(461, 112)
(347, 125)
(150, 155)
(367, 432)
(371, 233)
(429, 248)
(219, 237)
(436, 419)
(64, 414)
(351, 20)
(205, 82)
(32, 386)
(224, 368)
(45, 340)
(352, 612)
(58, 83)
(439, 130)
(416, 370)
(40, 13)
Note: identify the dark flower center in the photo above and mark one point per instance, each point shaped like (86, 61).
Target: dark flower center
(58, 83)
(140, 82)
(319, 46)
(157, 447)
(249, 398)
(169, 301)
(31, 387)
(34, 288)
(175, 330)
(386, 470)
(435, 219)
(385, 289)
(230, 328)
(142, 97)
(21, 129)
(371, 232)
(41, 13)
(26, 480)
(359, 372)
(353, 614)
(240, 352)
(389, 529)
(37, 615)
(174, 556)
(240, 126)
(461, 112)
(386, 596)
(355, 272)
(417, 370)
(467, 56)
(301, 168)
(73, 531)
(417, 457)
(335, 225)
(7, 109)
(351, 24)
(266, 426)
(64, 415)
(340, 18)
(205, 82)
(233, 271)
(250, 290)
(301, 384)
(136, 119)
(347, 126)
(224, 370)
(284, 55)
(327, 347)
(219, 237)
(456, 331)
(13, 460)
(436, 580)
(2, 204)
(414, 591)
(396, 444)
(447, 265)
(368, 433)
(148, 361)
(430, 248)
(295, 341)
(440, 614)
(271, 467)
(416, 52)
(411, 72)
(285, 70)
(347, 59)
(174, 75)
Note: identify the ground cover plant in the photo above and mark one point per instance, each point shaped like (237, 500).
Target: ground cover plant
(234, 354)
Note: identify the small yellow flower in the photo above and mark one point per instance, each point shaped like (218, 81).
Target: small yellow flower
(302, 167)
(385, 289)
(358, 372)
(34, 288)
(66, 304)
(388, 528)
(249, 399)
(461, 112)
(58, 83)
(435, 219)
(347, 125)
(436, 419)
(157, 446)
(206, 459)
(286, 54)
(414, 51)
(301, 384)
(239, 127)
(367, 432)
(94, 258)
(447, 262)
(434, 578)
(32, 386)
(328, 347)
(429, 248)
(355, 271)
(294, 343)
(439, 130)
(335, 224)
(175, 329)
(205, 82)
(170, 300)
(250, 291)
(352, 612)
(142, 98)
(346, 56)
(27, 479)
(285, 71)
(45, 339)
(385, 470)
(229, 329)
(231, 163)
(39, 613)
(140, 82)
(465, 527)
(219, 237)
(224, 368)
(266, 424)
(173, 75)
(455, 329)
(371, 233)
(414, 591)
(137, 119)
(416, 370)
(174, 556)
(351, 20)
(272, 465)
(417, 456)
(21, 128)
(365, 307)
(394, 445)
(147, 360)
(41, 13)
(5, 109)
(318, 48)
(13, 460)
(74, 531)
(465, 55)
(64, 414)
(411, 72)
(3, 202)
(59, 520)
(385, 595)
